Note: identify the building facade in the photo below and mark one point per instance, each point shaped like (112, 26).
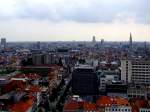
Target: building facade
(84, 81)
(135, 71)
(106, 76)
(44, 59)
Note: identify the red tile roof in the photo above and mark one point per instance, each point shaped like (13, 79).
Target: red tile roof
(137, 104)
(104, 101)
(71, 106)
(13, 84)
(109, 101)
(30, 76)
(34, 88)
(121, 101)
(22, 106)
(90, 106)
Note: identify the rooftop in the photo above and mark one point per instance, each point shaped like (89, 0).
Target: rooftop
(22, 106)
(90, 106)
(71, 106)
(104, 101)
(109, 101)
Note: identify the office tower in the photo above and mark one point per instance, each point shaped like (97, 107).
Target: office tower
(94, 39)
(135, 71)
(38, 45)
(84, 81)
(130, 42)
(145, 45)
(3, 42)
(102, 41)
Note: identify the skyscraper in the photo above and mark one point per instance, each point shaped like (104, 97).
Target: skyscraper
(3, 42)
(94, 39)
(102, 41)
(38, 45)
(130, 41)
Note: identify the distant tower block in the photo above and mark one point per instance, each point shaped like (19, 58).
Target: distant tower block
(130, 41)
(102, 41)
(38, 45)
(3, 42)
(145, 45)
(94, 39)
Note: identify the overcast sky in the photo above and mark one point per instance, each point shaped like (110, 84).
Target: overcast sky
(67, 20)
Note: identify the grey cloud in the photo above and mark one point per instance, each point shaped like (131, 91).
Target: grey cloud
(96, 11)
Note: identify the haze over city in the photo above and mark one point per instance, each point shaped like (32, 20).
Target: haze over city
(67, 20)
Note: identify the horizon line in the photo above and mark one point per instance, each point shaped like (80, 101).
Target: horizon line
(33, 41)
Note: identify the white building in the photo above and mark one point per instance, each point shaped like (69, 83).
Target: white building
(135, 70)
(126, 71)
(107, 76)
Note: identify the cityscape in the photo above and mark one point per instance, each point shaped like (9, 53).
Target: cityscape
(74, 56)
(88, 76)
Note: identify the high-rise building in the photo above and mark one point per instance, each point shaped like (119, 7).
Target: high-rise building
(3, 42)
(84, 81)
(130, 42)
(135, 71)
(102, 41)
(38, 45)
(94, 39)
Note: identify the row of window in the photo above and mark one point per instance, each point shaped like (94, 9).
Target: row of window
(140, 70)
(138, 96)
(137, 64)
(144, 110)
(117, 109)
(137, 92)
(140, 66)
(141, 73)
(134, 70)
(140, 77)
(141, 81)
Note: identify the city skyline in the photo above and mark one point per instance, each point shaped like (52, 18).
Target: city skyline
(64, 20)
